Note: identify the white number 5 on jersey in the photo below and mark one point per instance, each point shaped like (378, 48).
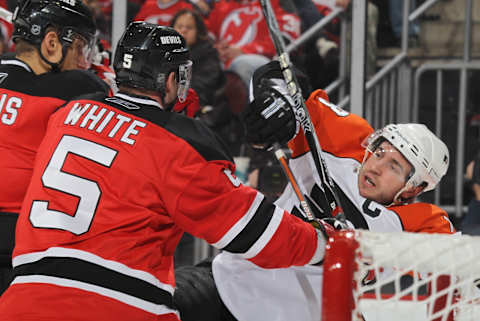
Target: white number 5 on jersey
(86, 190)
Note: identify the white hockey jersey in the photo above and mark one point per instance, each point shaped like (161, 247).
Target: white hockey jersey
(250, 292)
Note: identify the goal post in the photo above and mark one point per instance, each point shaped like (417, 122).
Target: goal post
(401, 276)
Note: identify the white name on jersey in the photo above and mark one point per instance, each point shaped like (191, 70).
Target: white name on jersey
(117, 125)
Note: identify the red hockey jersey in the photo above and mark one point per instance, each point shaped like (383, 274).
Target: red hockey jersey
(160, 13)
(116, 182)
(241, 24)
(26, 103)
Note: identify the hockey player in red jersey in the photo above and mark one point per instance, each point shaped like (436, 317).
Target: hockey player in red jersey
(116, 182)
(50, 36)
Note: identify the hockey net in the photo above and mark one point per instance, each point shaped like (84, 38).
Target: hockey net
(401, 276)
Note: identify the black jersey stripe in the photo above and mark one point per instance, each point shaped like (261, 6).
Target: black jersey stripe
(253, 230)
(87, 272)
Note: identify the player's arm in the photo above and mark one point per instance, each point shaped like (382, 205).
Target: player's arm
(216, 207)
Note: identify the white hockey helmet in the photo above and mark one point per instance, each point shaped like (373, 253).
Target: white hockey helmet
(427, 154)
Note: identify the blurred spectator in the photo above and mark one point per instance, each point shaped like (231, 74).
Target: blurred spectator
(207, 73)
(209, 79)
(6, 29)
(396, 19)
(162, 11)
(390, 22)
(102, 11)
(321, 50)
(221, 95)
(471, 221)
(241, 33)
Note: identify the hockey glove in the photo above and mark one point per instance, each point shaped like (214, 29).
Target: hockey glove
(324, 231)
(269, 119)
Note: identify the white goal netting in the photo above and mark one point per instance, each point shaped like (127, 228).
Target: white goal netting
(406, 276)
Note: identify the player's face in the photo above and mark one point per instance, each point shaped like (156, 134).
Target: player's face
(185, 25)
(171, 89)
(383, 174)
(78, 55)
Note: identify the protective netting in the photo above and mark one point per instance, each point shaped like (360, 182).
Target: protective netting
(416, 276)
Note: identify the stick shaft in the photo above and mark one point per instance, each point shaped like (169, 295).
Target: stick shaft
(301, 112)
(280, 155)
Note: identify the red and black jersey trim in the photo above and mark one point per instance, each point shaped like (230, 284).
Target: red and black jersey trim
(90, 273)
(253, 230)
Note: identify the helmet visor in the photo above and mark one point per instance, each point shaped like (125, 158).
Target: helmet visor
(85, 50)
(184, 79)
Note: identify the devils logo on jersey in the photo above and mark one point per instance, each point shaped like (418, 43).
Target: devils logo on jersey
(240, 27)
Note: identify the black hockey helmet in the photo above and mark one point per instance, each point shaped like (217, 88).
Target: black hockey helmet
(147, 53)
(32, 18)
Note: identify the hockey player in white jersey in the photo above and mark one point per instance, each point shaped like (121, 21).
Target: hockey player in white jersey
(377, 175)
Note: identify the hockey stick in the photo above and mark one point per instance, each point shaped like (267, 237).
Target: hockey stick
(280, 155)
(301, 112)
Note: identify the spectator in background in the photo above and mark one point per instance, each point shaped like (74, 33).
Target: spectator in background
(471, 221)
(207, 73)
(241, 33)
(396, 18)
(321, 50)
(208, 78)
(6, 29)
(161, 12)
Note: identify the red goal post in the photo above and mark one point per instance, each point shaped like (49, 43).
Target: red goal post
(401, 276)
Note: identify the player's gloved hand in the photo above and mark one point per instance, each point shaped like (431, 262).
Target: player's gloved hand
(323, 226)
(190, 106)
(324, 231)
(336, 223)
(269, 118)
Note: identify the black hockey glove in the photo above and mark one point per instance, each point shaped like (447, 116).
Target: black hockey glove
(269, 119)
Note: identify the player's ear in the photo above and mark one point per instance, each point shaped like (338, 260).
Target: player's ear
(409, 195)
(51, 47)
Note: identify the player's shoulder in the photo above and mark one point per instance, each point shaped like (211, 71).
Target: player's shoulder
(198, 135)
(193, 131)
(16, 75)
(69, 84)
(423, 217)
(418, 207)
